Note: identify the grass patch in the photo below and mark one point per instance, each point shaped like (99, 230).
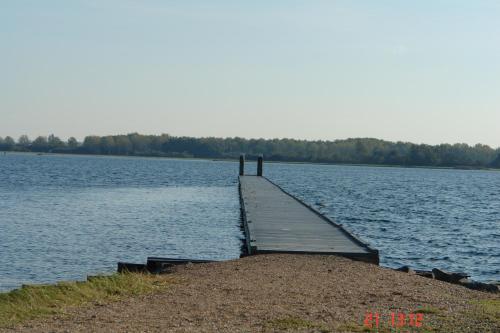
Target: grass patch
(36, 301)
(491, 307)
(480, 315)
(293, 323)
(488, 309)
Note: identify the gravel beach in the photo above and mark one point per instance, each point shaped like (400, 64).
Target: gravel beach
(294, 293)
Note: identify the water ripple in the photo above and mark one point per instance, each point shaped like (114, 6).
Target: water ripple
(423, 218)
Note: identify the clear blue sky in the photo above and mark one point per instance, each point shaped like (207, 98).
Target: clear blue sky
(420, 71)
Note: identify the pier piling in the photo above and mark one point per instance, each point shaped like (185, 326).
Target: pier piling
(242, 165)
(259, 165)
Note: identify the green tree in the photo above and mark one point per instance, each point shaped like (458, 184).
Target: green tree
(40, 144)
(355, 150)
(140, 143)
(24, 141)
(54, 142)
(72, 143)
(157, 141)
(91, 144)
(107, 145)
(422, 155)
(496, 162)
(7, 143)
(123, 145)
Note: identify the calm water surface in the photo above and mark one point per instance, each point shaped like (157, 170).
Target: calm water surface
(63, 217)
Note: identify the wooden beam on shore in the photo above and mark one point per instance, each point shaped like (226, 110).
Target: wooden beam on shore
(157, 265)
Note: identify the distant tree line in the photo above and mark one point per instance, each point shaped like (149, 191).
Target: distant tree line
(355, 151)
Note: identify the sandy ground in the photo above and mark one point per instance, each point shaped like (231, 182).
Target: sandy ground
(271, 293)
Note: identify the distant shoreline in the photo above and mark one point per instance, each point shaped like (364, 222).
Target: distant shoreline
(464, 168)
(351, 151)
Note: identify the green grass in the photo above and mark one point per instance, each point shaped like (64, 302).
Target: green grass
(488, 309)
(30, 302)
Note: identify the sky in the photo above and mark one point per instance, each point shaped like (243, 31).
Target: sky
(423, 71)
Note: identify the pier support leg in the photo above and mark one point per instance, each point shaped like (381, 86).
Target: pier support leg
(259, 165)
(242, 165)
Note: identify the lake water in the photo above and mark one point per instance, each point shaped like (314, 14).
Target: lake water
(64, 217)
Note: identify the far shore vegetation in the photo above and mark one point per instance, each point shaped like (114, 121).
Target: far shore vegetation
(36, 301)
(348, 151)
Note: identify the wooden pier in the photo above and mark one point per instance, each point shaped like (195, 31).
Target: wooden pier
(275, 221)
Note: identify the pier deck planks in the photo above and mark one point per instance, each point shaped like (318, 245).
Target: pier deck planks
(278, 222)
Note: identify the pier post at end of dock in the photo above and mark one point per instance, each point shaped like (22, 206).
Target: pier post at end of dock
(259, 165)
(242, 165)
